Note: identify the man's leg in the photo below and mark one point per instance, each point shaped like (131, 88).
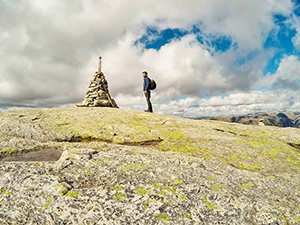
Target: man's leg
(148, 96)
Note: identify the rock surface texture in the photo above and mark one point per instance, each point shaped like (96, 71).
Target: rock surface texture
(112, 166)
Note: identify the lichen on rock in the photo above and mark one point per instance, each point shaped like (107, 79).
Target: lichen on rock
(136, 168)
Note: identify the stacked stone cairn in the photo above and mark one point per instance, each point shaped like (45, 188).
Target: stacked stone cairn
(97, 94)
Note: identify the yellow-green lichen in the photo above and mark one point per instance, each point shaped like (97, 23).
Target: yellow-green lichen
(177, 182)
(246, 185)
(116, 188)
(182, 197)
(119, 197)
(73, 194)
(250, 168)
(296, 218)
(37, 165)
(8, 150)
(141, 191)
(217, 187)
(155, 185)
(186, 216)
(163, 217)
(137, 166)
(210, 205)
(86, 136)
(5, 192)
(177, 141)
(48, 203)
(105, 161)
(75, 152)
(64, 188)
(210, 178)
(145, 205)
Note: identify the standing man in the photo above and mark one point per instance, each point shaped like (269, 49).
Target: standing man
(147, 91)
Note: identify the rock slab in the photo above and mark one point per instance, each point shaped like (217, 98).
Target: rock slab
(112, 166)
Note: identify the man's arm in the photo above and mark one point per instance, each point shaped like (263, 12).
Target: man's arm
(146, 84)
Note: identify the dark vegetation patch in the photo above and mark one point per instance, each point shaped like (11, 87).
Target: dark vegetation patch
(295, 145)
(43, 154)
(80, 139)
(49, 154)
(230, 132)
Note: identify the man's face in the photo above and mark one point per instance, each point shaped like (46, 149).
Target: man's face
(144, 75)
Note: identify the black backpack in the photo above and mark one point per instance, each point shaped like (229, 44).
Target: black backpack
(152, 84)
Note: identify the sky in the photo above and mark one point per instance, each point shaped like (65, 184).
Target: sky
(208, 57)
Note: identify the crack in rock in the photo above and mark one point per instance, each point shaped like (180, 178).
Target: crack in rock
(294, 145)
(230, 132)
(150, 142)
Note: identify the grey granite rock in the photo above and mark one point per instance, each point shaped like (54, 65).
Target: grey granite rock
(125, 167)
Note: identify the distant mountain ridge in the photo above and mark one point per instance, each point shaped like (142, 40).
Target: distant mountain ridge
(279, 119)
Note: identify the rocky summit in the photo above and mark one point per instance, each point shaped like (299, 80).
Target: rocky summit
(113, 166)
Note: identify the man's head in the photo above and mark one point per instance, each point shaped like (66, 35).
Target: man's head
(145, 74)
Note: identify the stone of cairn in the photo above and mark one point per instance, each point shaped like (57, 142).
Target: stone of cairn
(97, 94)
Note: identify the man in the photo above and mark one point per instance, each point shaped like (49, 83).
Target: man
(147, 91)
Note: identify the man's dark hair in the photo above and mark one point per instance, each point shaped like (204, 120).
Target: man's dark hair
(145, 72)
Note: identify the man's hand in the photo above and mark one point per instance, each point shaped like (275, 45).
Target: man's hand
(145, 91)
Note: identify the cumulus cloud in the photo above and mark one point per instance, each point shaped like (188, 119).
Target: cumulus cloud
(49, 50)
(286, 76)
(295, 24)
(235, 104)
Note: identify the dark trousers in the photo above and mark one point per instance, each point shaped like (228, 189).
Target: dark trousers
(148, 96)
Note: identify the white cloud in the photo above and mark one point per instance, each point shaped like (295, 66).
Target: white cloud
(294, 22)
(49, 49)
(287, 75)
(235, 104)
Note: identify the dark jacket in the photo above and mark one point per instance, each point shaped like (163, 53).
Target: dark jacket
(146, 83)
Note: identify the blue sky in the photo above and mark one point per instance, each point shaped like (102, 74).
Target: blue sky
(280, 39)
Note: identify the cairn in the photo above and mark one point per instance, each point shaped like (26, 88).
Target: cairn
(97, 94)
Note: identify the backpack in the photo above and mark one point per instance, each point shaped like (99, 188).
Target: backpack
(152, 84)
